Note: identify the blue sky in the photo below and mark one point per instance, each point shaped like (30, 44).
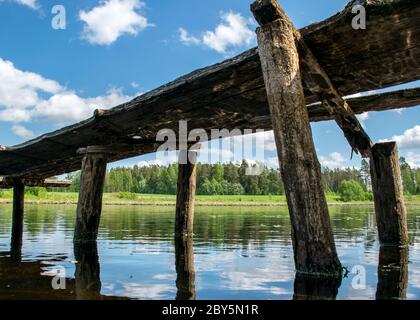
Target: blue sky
(113, 50)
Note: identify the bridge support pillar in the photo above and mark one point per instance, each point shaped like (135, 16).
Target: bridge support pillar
(391, 214)
(185, 200)
(89, 207)
(18, 215)
(313, 242)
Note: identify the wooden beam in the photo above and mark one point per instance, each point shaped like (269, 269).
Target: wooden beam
(89, 206)
(117, 148)
(185, 200)
(391, 214)
(313, 242)
(393, 100)
(18, 216)
(7, 182)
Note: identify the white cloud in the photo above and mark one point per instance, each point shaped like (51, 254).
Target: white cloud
(110, 20)
(33, 4)
(67, 106)
(27, 95)
(413, 159)
(334, 160)
(30, 3)
(232, 32)
(22, 132)
(186, 39)
(272, 162)
(410, 139)
(363, 117)
(21, 88)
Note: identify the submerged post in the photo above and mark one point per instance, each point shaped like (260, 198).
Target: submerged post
(18, 215)
(391, 214)
(185, 199)
(89, 206)
(87, 275)
(313, 242)
(184, 265)
(392, 273)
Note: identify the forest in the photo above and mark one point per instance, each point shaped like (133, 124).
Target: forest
(231, 179)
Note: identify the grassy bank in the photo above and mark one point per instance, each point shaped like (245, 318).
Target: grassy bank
(153, 199)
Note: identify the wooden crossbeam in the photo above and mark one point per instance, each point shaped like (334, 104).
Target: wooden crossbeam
(370, 103)
(8, 182)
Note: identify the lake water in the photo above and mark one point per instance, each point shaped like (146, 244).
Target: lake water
(236, 253)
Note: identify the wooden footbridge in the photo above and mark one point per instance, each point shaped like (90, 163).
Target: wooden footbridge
(292, 78)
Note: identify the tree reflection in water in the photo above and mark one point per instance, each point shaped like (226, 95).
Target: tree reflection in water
(308, 287)
(184, 265)
(87, 275)
(392, 273)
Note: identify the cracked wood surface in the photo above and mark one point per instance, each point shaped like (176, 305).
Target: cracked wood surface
(232, 95)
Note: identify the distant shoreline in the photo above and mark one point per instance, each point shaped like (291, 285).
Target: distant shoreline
(205, 204)
(148, 200)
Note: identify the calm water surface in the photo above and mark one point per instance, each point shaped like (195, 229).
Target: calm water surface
(236, 253)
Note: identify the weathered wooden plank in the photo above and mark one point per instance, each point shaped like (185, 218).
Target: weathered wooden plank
(231, 94)
(47, 183)
(313, 242)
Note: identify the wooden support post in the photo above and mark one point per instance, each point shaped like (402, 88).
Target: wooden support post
(313, 242)
(18, 216)
(392, 273)
(184, 265)
(185, 200)
(391, 214)
(89, 206)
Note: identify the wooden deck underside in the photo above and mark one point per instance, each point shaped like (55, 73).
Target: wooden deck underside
(232, 95)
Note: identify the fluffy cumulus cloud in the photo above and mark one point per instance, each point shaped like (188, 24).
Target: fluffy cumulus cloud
(413, 159)
(111, 19)
(233, 32)
(26, 95)
(22, 132)
(410, 139)
(33, 4)
(334, 160)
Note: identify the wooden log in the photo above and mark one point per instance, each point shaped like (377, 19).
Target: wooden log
(18, 217)
(391, 214)
(184, 265)
(313, 242)
(392, 273)
(89, 206)
(7, 182)
(185, 200)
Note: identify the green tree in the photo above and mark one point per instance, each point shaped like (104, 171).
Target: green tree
(351, 190)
